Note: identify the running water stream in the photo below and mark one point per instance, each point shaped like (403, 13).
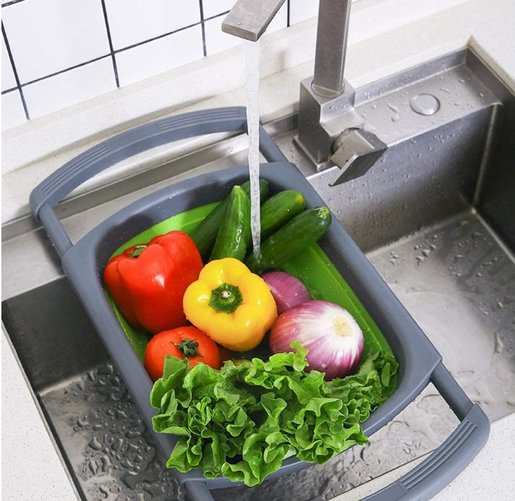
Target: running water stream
(252, 88)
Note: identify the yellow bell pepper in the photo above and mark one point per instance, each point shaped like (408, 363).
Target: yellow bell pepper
(232, 305)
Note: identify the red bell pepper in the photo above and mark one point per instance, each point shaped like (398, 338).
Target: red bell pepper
(147, 282)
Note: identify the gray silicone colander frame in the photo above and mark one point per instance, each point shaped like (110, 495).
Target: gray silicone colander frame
(83, 262)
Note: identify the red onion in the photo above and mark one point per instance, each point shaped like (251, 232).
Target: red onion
(330, 333)
(287, 290)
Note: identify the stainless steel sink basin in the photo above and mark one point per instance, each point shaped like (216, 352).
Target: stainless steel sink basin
(435, 216)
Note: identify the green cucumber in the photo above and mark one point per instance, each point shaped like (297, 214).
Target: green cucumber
(301, 232)
(279, 209)
(204, 234)
(234, 236)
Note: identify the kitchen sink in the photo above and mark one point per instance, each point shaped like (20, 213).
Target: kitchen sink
(435, 216)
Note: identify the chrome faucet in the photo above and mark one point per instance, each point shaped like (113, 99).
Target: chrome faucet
(329, 130)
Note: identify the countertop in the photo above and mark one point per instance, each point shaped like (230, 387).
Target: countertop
(386, 36)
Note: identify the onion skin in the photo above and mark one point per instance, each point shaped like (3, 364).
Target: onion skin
(330, 334)
(288, 291)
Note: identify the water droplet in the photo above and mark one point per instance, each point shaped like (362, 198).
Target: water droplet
(93, 467)
(83, 421)
(95, 444)
(132, 433)
(499, 344)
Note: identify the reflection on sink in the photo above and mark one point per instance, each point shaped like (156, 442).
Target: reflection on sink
(435, 216)
(459, 284)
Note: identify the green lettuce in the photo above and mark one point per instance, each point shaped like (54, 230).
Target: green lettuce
(243, 420)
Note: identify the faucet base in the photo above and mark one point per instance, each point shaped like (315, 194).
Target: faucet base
(322, 119)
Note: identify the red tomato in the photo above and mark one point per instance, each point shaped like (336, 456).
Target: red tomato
(182, 342)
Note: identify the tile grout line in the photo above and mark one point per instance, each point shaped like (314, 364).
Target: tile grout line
(15, 72)
(36, 80)
(203, 27)
(110, 40)
(217, 15)
(153, 39)
(8, 91)
(12, 2)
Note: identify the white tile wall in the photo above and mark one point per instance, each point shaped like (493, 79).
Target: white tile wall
(160, 55)
(47, 36)
(67, 51)
(69, 88)
(215, 7)
(132, 21)
(300, 10)
(12, 110)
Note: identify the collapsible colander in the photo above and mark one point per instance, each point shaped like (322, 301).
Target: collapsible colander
(339, 271)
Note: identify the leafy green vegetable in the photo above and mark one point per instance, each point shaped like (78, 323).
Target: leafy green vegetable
(243, 420)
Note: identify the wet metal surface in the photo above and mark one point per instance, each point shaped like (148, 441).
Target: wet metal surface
(459, 285)
(106, 440)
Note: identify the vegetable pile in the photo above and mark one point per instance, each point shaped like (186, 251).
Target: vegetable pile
(205, 301)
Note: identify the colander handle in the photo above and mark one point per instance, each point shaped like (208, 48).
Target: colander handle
(107, 153)
(197, 490)
(450, 458)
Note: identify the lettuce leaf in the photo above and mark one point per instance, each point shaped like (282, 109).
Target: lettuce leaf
(243, 420)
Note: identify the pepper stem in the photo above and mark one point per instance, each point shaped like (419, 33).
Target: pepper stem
(188, 348)
(137, 250)
(225, 298)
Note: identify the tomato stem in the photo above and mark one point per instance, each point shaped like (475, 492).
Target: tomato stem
(188, 348)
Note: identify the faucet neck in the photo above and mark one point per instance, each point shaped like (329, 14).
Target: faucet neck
(331, 47)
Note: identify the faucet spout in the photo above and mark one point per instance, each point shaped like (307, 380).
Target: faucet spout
(249, 19)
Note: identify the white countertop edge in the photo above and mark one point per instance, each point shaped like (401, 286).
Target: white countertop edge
(32, 468)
